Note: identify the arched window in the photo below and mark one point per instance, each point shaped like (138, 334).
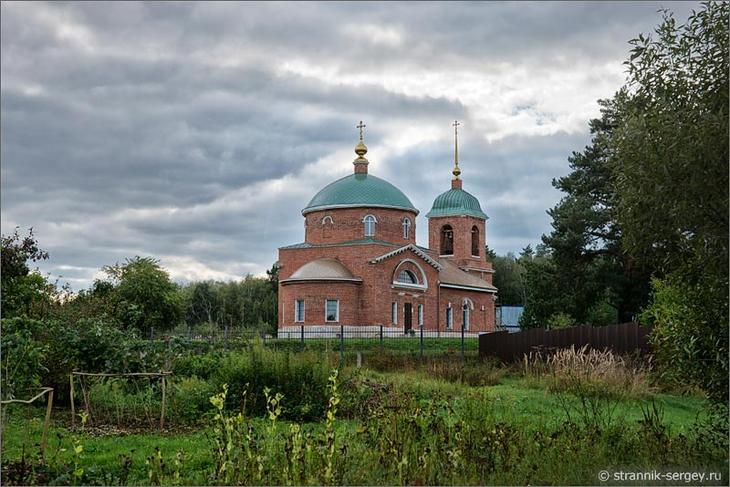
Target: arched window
(466, 313)
(369, 222)
(327, 219)
(406, 227)
(447, 240)
(407, 277)
(474, 240)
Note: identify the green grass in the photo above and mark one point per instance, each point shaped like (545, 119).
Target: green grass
(526, 405)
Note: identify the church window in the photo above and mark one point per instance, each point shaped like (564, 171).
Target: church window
(327, 219)
(394, 313)
(406, 227)
(449, 318)
(447, 240)
(299, 311)
(369, 222)
(332, 310)
(466, 316)
(407, 277)
(420, 315)
(474, 240)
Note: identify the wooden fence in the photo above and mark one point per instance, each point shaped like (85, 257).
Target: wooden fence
(622, 338)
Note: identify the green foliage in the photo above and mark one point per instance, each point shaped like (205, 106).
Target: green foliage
(250, 303)
(23, 292)
(690, 346)
(301, 377)
(146, 297)
(560, 320)
(671, 178)
(509, 279)
(23, 358)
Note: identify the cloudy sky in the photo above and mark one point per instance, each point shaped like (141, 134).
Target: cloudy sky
(196, 132)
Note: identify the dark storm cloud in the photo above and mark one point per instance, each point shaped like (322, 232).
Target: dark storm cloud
(195, 132)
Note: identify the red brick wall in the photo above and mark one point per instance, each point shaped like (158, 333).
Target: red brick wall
(347, 225)
(462, 226)
(479, 320)
(314, 295)
(369, 302)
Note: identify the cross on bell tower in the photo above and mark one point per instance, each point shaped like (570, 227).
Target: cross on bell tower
(361, 163)
(456, 181)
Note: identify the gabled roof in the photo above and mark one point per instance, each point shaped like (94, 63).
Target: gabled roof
(413, 248)
(452, 276)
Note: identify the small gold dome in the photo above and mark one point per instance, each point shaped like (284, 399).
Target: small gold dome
(361, 150)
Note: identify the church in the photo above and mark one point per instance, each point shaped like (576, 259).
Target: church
(361, 269)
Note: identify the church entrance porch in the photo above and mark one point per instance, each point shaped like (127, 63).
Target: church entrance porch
(407, 317)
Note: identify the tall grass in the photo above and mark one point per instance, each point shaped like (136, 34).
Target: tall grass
(600, 371)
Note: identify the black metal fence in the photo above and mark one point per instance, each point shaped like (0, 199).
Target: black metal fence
(621, 338)
(342, 339)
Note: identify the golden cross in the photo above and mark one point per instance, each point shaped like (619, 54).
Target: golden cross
(456, 143)
(361, 126)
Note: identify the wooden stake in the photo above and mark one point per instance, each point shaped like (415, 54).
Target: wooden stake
(162, 413)
(46, 423)
(73, 408)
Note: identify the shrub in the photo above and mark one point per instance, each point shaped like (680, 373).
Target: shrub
(301, 377)
(190, 399)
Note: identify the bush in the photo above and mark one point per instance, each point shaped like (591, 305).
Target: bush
(190, 399)
(301, 377)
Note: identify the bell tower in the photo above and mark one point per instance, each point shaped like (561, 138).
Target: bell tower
(457, 225)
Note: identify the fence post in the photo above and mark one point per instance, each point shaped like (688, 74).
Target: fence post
(342, 345)
(421, 341)
(462, 342)
(302, 337)
(381, 338)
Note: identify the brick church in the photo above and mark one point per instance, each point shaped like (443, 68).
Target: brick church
(360, 266)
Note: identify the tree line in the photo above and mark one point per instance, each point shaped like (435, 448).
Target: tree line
(136, 295)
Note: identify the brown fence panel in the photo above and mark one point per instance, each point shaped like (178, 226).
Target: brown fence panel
(621, 338)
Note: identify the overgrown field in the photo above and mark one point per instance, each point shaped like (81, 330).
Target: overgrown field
(263, 416)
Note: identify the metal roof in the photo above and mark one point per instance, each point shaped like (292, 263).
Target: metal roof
(358, 190)
(456, 202)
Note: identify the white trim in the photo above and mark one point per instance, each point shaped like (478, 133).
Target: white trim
(413, 248)
(394, 312)
(417, 287)
(469, 288)
(449, 317)
(337, 311)
(465, 318)
(326, 217)
(305, 279)
(406, 228)
(488, 271)
(423, 285)
(358, 205)
(296, 309)
(367, 221)
(420, 315)
(469, 302)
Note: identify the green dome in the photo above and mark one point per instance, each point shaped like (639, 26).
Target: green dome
(359, 190)
(456, 202)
